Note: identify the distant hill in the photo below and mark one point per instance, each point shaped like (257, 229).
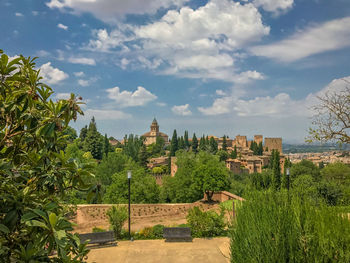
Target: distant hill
(312, 148)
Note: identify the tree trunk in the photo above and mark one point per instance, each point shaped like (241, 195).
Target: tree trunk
(209, 195)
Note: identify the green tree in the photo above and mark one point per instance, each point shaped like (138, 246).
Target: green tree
(143, 156)
(70, 133)
(260, 149)
(34, 173)
(117, 216)
(233, 154)
(187, 143)
(224, 143)
(106, 145)
(304, 167)
(143, 187)
(276, 169)
(213, 145)
(158, 148)
(194, 143)
(181, 143)
(83, 133)
(338, 172)
(202, 146)
(93, 142)
(174, 146)
(223, 155)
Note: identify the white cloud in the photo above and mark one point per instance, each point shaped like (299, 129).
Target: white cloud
(18, 14)
(52, 75)
(192, 43)
(35, 13)
(328, 36)
(62, 26)
(79, 74)
(106, 114)
(83, 82)
(82, 60)
(182, 110)
(140, 97)
(220, 92)
(43, 53)
(161, 104)
(220, 106)
(62, 96)
(111, 10)
(275, 6)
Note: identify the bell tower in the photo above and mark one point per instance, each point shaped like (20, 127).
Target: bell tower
(154, 128)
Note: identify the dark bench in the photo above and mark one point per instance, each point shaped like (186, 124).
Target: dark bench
(98, 238)
(177, 234)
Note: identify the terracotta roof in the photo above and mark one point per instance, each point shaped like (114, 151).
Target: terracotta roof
(148, 134)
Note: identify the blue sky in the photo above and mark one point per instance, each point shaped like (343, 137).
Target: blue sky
(210, 67)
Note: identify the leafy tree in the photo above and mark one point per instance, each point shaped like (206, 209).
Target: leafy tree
(132, 145)
(332, 119)
(111, 164)
(223, 155)
(304, 167)
(143, 156)
(117, 216)
(174, 146)
(338, 172)
(34, 173)
(181, 143)
(106, 145)
(70, 133)
(224, 143)
(209, 175)
(143, 187)
(158, 148)
(194, 143)
(157, 170)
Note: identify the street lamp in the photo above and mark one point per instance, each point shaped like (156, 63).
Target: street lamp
(287, 173)
(129, 179)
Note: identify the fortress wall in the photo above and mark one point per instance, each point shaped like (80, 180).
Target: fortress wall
(273, 144)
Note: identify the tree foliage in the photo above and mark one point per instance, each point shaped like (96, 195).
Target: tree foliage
(332, 119)
(34, 171)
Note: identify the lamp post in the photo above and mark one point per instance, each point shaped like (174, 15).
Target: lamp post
(288, 179)
(129, 179)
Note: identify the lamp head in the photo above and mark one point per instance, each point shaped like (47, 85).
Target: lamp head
(129, 174)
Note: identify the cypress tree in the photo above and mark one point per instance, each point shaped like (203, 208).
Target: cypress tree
(234, 153)
(213, 146)
(224, 144)
(187, 143)
(194, 143)
(260, 149)
(83, 133)
(276, 170)
(106, 145)
(181, 143)
(202, 144)
(143, 156)
(93, 142)
(174, 146)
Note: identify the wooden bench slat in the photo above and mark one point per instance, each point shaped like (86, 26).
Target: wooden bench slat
(177, 234)
(98, 238)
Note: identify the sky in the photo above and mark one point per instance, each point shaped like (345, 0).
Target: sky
(217, 67)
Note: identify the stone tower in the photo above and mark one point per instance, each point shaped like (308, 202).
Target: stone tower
(154, 128)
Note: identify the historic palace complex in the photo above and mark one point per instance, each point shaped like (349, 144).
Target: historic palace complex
(151, 136)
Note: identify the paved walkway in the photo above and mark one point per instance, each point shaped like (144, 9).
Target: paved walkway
(199, 251)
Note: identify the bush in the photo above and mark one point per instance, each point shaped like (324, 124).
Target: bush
(272, 227)
(98, 230)
(205, 224)
(158, 231)
(117, 215)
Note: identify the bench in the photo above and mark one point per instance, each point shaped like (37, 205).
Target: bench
(177, 234)
(98, 238)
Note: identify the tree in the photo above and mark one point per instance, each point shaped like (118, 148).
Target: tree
(117, 216)
(233, 154)
(213, 145)
(332, 119)
(224, 143)
(106, 145)
(143, 187)
(143, 156)
(83, 133)
(276, 169)
(93, 141)
(34, 173)
(202, 146)
(223, 155)
(194, 143)
(260, 149)
(174, 146)
(338, 172)
(70, 133)
(181, 143)
(187, 143)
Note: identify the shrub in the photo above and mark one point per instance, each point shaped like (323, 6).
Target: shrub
(205, 224)
(275, 227)
(117, 215)
(158, 231)
(98, 230)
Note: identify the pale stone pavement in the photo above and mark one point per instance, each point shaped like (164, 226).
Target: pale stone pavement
(146, 251)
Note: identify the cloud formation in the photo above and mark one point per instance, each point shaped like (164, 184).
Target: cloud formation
(182, 110)
(62, 26)
(274, 6)
(52, 75)
(82, 60)
(139, 97)
(328, 36)
(112, 10)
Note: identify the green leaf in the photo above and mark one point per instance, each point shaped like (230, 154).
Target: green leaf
(53, 219)
(4, 229)
(28, 216)
(37, 224)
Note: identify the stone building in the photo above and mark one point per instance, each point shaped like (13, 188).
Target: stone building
(273, 144)
(151, 136)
